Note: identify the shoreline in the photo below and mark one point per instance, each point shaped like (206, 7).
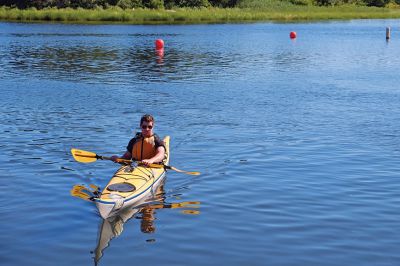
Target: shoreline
(195, 16)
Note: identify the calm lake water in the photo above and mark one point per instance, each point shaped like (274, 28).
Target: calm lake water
(298, 142)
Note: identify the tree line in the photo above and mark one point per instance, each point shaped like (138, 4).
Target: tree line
(124, 4)
(168, 4)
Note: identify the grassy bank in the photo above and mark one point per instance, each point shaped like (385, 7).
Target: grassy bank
(203, 15)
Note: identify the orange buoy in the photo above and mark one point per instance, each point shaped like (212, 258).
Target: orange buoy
(293, 35)
(159, 44)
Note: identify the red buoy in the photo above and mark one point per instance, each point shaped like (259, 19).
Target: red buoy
(159, 44)
(293, 35)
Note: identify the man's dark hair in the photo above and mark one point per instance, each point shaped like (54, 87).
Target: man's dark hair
(148, 118)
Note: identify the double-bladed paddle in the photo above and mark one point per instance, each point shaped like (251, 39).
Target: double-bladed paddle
(89, 157)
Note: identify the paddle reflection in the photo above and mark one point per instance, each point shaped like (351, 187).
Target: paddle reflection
(145, 212)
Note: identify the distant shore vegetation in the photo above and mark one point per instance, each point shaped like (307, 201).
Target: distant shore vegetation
(194, 11)
(170, 4)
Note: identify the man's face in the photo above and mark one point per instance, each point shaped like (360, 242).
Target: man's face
(147, 128)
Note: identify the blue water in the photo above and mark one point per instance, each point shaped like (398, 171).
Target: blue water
(298, 142)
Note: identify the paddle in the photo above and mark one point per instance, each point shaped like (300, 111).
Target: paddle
(89, 157)
(82, 195)
(80, 191)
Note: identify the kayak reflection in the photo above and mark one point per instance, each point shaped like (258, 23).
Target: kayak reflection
(112, 227)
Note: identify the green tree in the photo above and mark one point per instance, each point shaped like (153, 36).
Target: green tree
(378, 3)
(192, 3)
(14, 3)
(223, 3)
(153, 4)
(129, 4)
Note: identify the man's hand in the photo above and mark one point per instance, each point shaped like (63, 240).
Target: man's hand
(147, 162)
(114, 158)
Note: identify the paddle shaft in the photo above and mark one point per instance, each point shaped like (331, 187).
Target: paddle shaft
(80, 156)
(152, 165)
(119, 160)
(99, 157)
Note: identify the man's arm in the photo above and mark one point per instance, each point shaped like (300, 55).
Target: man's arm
(158, 158)
(127, 155)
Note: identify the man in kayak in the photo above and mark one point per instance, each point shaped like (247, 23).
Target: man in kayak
(146, 146)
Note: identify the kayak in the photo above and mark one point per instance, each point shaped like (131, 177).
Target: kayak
(130, 185)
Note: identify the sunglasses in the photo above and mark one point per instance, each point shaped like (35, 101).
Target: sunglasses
(146, 127)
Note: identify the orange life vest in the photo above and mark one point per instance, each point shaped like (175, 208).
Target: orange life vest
(144, 148)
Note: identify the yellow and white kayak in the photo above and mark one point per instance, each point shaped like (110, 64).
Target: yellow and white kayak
(130, 185)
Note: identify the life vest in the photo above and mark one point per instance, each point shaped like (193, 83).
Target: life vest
(144, 148)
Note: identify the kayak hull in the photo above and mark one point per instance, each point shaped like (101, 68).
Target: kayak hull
(143, 180)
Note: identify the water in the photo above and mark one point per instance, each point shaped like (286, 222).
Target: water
(297, 142)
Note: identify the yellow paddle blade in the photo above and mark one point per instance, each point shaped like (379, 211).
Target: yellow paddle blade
(83, 156)
(78, 187)
(181, 171)
(94, 188)
(81, 194)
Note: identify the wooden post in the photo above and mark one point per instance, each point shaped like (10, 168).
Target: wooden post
(387, 33)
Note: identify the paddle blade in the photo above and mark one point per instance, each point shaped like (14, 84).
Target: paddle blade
(182, 171)
(81, 194)
(94, 188)
(83, 156)
(80, 191)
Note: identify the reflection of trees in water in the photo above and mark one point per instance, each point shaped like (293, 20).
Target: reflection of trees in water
(115, 65)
